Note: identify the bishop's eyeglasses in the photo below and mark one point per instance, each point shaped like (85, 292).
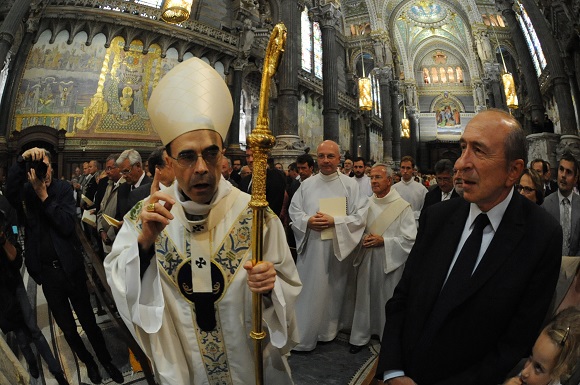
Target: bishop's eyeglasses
(189, 158)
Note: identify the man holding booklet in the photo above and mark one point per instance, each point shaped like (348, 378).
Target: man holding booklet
(328, 219)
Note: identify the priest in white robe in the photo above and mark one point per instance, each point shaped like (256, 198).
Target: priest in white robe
(180, 269)
(328, 219)
(380, 260)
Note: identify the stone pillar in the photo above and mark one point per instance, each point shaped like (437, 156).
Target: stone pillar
(558, 76)
(384, 75)
(328, 15)
(10, 26)
(526, 65)
(494, 85)
(412, 114)
(16, 70)
(233, 140)
(288, 143)
(396, 121)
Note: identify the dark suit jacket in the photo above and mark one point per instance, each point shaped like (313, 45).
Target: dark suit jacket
(496, 320)
(275, 188)
(126, 198)
(552, 205)
(551, 188)
(434, 196)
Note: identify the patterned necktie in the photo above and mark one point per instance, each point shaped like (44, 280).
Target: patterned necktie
(565, 225)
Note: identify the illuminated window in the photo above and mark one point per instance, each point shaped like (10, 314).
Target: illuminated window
(317, 40)
(532, 39)
(311, 45)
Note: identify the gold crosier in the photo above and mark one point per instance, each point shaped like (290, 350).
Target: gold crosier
(260, 142)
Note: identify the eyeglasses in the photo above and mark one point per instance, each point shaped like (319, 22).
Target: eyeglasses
(109, 168)
(189, 159)
(443, 178)
(527, 190)
(127, 170)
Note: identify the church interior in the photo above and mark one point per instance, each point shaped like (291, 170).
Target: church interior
(382, 78)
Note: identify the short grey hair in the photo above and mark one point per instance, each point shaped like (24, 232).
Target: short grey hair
(229, 161)
(387, 168)
(130, 154)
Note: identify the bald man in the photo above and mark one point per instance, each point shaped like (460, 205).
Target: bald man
(328, 219)
(466, 310)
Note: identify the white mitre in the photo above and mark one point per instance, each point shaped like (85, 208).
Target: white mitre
(191, 96)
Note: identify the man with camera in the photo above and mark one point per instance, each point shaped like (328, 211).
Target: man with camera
(54, 256)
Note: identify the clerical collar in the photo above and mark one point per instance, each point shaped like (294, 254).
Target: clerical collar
(329, 178)
(201, 209)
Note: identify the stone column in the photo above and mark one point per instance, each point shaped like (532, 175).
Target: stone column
(527, 67)
(412, 114)
(384, 75)
(328, 15)
(396, 121)
(288, 144)
(558, 76)
(16, 70)
(233, 140)
(10, 26)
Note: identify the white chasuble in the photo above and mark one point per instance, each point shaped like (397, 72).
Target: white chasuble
(164, 322)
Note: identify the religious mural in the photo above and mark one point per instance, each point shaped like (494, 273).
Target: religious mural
(89, 91)
(448, 116)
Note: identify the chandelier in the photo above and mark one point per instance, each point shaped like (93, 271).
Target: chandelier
(406, 130)
(176, 11)
(509, 87)
(365, 100)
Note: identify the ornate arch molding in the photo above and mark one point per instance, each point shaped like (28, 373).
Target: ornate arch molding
(466, 9)
(441, 97)
(56, 138)
(466, 58)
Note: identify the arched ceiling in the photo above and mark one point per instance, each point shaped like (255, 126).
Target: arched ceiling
(416, 26)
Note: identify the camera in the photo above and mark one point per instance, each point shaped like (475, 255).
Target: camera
(39, 167)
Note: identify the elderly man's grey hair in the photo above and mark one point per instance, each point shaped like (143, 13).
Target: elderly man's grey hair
(130, 154)
(387, 168)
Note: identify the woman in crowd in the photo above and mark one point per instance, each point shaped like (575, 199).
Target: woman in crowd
(531, 186)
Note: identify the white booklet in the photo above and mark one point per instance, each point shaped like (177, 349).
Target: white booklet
(89, 219)
(335, 207)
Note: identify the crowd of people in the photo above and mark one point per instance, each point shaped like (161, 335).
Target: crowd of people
(457, 273)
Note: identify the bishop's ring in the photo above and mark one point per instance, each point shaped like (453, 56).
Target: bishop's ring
(150, 207)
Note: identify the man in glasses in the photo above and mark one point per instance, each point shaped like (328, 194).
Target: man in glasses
(444, 189)
(131, 169)
(108, 233)
(181, 270)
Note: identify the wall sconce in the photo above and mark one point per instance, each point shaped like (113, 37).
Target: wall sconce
(176, 11)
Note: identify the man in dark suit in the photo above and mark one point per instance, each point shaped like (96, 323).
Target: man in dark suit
(467, 309)
(132, 170)
(564, 206)
(543, 168)
(444, 188)
(275, 184)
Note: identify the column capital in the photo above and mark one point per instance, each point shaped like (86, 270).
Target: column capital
(7, 37)
(505, 5)
(328, 15)
(239, 63)
(492, 71)
(384, 74)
